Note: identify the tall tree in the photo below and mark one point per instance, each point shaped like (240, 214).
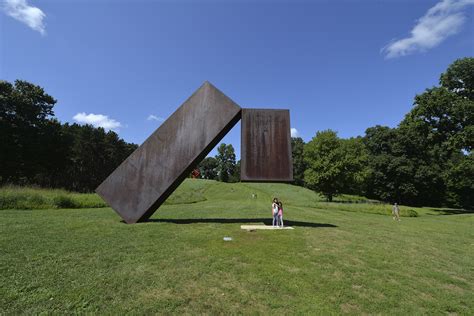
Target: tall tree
(208, 168)
(356, 168)
(418, 162)
(299, 164)
(325, 171)
(459, 78)
(24, 112)
(225, 162)
(235, 177)
(441, 127)
(459, 182)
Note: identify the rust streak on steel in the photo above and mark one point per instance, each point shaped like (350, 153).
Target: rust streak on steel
(152, 172)
(266, 146)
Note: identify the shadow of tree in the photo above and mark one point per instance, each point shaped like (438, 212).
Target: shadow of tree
(266, 221)
(451, 211)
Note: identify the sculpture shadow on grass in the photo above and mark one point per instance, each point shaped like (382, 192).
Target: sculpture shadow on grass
(265, 221)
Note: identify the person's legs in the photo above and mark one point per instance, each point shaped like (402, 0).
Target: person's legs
(281, 221)
(274, 220)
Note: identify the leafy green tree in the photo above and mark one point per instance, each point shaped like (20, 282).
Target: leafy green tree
(235, 177)
(24, 112)
(299, 164)
(445, 119)
(417, 162)
(335, 165)
(208, 168)
(391, 172)
(459, 78)
(93, 155)
(459, 182)
(445, 115)
(325, 171)
(356, 169)
(49, 167)
(225, 162)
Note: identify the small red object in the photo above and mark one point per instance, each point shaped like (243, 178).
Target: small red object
(195, 174)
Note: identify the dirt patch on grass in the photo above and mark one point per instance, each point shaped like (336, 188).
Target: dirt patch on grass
(458, 278)
(293, 269)
(453, 288)
(347, 308)
(426, 296)
(150, 295)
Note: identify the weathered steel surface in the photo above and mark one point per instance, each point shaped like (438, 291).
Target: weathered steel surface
(152, 172)
(266, 146)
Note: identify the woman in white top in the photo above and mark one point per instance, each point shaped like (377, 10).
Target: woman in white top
(275, 212)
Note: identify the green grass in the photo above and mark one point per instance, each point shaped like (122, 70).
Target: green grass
(341, 258)
(27, 198)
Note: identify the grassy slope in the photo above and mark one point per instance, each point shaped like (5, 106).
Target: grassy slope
(333, 262)
(27, 198)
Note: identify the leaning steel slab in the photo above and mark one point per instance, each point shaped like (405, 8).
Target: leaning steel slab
(152, 172)
(266, 146)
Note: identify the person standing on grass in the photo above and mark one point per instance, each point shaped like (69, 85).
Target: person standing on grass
(396, 212)
(280, 214)
(275, 212)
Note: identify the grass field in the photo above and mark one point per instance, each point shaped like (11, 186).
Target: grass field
(340, 258)
(27, 198)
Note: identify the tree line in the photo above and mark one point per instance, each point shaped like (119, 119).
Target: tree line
(36, 149)
(426, 160)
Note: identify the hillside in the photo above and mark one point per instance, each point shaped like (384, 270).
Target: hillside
(241, 194)
(340, 258)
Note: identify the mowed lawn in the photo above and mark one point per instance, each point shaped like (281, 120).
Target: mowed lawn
(340, 258)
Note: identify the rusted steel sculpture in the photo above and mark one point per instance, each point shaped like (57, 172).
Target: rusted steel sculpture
(152, 172)
(266, 146)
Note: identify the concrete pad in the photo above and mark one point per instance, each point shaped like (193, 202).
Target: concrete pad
(265, 227)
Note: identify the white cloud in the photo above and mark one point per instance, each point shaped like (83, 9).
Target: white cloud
(294, 132)
(97, 120)
(152, 117)
(441, 21)
(23, 12)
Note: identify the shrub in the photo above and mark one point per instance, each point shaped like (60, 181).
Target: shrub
(409, 213)
(64, 201)
(8, 201)
(21, 200)
(35, 200)
(27, 198)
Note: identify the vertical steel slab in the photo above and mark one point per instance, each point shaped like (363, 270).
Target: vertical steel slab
(266, 146)
(152, 172)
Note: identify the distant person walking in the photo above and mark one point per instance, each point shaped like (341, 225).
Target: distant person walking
(396, 212)
(275, 212)
(280, 214)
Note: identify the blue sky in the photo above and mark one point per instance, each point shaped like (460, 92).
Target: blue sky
(127, 65)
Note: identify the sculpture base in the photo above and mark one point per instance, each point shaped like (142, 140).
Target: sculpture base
(264, 227)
